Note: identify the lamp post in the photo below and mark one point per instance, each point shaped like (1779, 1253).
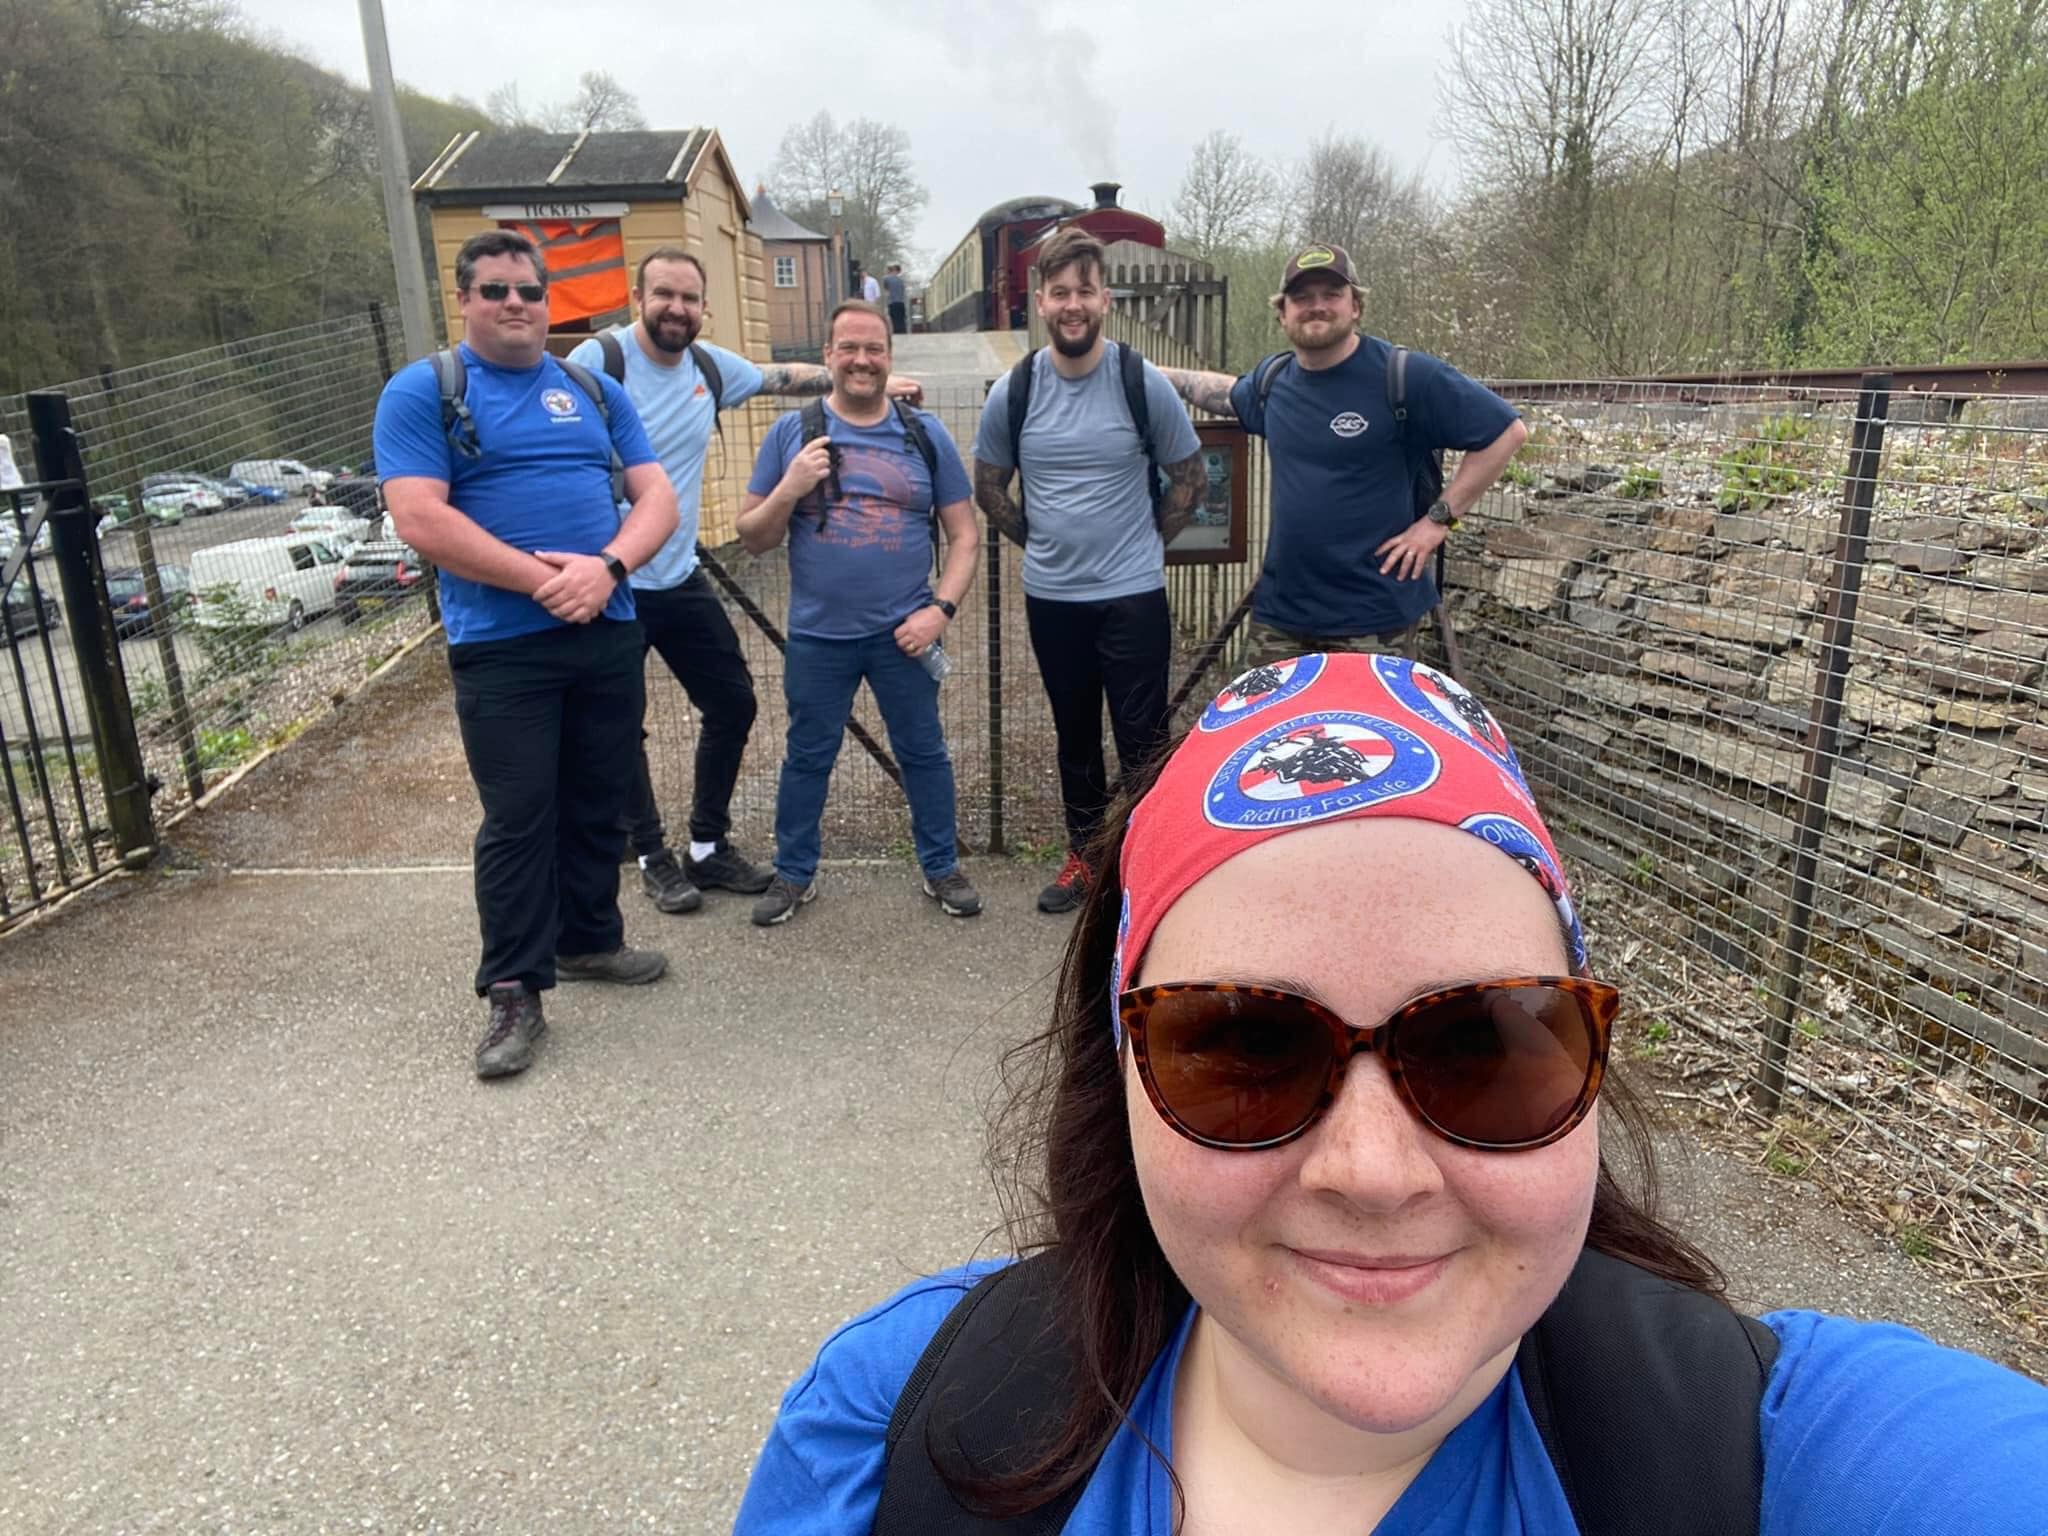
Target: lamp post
(835, 205)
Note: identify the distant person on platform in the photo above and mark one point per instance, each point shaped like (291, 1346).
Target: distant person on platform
(870, 290)
(1347, 558)
(509, 492)
(680, 614)
(857, 505)
(1094, 537)
(899, 298)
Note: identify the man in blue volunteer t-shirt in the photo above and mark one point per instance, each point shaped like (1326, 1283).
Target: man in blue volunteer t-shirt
(1094, 544)
(1347, 558)
(856, 505)
(512, 498)
(680, 614)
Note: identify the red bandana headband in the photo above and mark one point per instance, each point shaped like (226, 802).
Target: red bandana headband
(1319, 738)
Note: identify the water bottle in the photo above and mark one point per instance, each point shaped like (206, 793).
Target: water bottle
(936, 661)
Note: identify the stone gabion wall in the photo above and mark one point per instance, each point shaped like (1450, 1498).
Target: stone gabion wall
(1645, 613)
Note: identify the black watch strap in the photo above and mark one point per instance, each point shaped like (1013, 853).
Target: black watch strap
(950, 610)
(613, 564)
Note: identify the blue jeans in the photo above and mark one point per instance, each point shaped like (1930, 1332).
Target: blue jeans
(819, 680)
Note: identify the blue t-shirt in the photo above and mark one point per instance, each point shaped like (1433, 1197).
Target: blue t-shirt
(544, 480)
(675, 407)
(869, 567)
(1343, 486)
(1867, 1429)
(1088, 511)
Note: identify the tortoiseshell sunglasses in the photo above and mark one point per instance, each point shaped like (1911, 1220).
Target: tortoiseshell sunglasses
(1499, 1065)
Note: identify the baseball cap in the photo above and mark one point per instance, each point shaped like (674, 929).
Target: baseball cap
(1318, 258)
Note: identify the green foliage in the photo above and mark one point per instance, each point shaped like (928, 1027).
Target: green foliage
(1641, 483)
(1914, 1242)
(1765, 468)
(224, 749)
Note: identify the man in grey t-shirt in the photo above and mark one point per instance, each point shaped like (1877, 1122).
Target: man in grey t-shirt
(899, 306)
(1094, 542)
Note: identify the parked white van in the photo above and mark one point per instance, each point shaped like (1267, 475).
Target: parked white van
(288, 475)
(269, 582)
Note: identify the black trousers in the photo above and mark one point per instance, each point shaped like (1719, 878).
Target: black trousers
(549, 723)
(1119, 649)
(688, 626)
(899, 318)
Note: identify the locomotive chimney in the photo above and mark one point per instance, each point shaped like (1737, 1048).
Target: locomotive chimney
(1105, 192)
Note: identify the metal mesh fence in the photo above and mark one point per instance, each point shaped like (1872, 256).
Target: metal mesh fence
(243, 569)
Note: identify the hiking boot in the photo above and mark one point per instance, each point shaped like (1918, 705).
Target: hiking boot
(954, 893)
(627, 966)
(727, 870)
(662, 878)
(1068, 889)
(516, 1025)
(779, 902)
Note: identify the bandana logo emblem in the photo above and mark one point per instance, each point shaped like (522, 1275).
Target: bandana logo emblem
(1445, 703)
(1315, 767)
(1259, 689)
(1526, 849)
(558, 402)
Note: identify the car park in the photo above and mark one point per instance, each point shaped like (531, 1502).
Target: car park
(128, 597)
(282, 582)
(287, 475)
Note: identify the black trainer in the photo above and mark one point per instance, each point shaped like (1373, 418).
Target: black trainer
(662, 878)
(516, 1024)
(728, 870)
(954, 893)
(627, 966)
(1069, 887)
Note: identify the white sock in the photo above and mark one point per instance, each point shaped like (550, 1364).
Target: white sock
(702, 851)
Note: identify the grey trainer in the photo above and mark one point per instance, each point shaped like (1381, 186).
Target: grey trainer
(954, 893)
(662, 878)
(627, 966)
(516, 1024)
(779, 902)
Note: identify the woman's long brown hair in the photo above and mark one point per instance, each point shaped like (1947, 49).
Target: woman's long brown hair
(1061, 1157)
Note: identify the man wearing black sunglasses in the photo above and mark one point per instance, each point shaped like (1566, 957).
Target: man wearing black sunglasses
(506, 486)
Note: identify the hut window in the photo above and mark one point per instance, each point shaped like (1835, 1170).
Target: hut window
(785, 271)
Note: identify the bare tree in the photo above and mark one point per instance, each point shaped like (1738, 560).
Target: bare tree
(1347, 190)
(1227, 198)
(600, 105)
(868, 164)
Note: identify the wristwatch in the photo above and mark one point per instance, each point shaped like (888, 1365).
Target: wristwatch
(1440, 513)
(613, 564)
(950, 610)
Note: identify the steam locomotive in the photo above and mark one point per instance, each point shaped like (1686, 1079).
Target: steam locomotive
(985, 284)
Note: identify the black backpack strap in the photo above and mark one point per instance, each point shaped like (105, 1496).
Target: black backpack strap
(1020, 407)
(707, 368)
(614, 354)
(1397, 386)
(1132, 362)
(451, 377)
(1647, 1396)
(587, 381)
(997, 1366)
(1264, 375)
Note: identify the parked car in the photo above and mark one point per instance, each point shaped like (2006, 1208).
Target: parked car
(288, 475)
(113, 506)
(128, 595)
(355, 493)
(263, 583)
(375, 574)
(25, 615)
(254, 493)
(339, 528)
(179, 499)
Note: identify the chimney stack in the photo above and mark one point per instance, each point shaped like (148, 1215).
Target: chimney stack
(1105, 192)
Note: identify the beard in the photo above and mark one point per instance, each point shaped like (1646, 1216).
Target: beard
(673, 333)
(1317, 334)
(1079, 348)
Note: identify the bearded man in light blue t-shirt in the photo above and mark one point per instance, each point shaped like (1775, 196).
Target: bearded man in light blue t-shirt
(657, 360)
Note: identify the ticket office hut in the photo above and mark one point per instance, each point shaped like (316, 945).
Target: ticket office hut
(596, 203)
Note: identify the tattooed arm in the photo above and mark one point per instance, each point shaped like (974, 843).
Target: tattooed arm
(992, 495)
(1204, 391)
(796, 379)
(1186, 483)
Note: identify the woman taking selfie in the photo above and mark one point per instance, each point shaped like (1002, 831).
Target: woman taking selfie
(1323, 1236)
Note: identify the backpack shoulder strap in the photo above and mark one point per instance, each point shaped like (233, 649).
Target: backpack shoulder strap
(1397, 385)
(1132, 362)
(707, 368)
(614, 354)
(921, 440)
(1020, 407)
(587, 381)
(1647, 1396)
(451, 377)
(1263, 376)
(811, 416)
(994, 1365)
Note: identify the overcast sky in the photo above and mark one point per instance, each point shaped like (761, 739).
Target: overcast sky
(999, 99)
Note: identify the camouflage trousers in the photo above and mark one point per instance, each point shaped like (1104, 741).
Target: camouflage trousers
(1269, 645)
